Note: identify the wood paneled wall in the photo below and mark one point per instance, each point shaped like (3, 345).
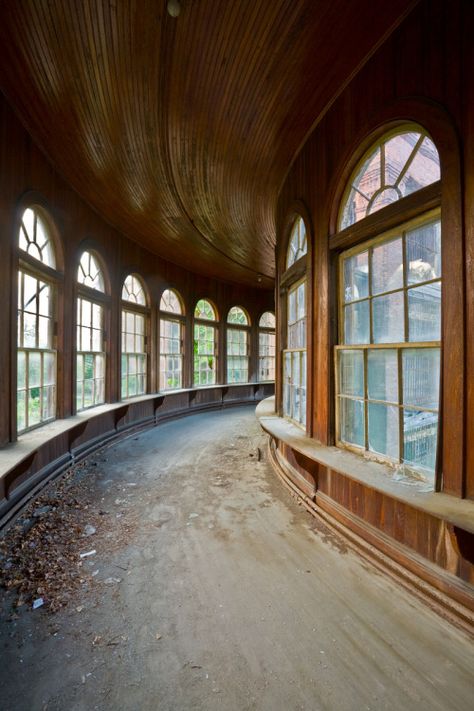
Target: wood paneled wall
(24, 170)
(422, 73)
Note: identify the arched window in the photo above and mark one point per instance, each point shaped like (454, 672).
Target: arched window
(297, 246)
(266, 347)
(171, 340)
(238, 333)
(37, 295)
(134, 338)
(205, 344)
(401, 163)
(294, 355)
(388, 360)
(90, 347)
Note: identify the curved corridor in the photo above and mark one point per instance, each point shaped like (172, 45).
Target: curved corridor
(224, 594)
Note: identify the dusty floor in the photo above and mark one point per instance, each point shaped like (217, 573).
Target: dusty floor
(221, 594)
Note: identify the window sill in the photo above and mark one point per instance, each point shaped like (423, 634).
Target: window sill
(381, 478)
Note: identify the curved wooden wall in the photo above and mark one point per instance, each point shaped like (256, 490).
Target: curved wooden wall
(417, 75)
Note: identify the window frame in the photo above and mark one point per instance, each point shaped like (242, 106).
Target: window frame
(270, 331)
(292, 277)
(420, 204)
(102, 299)
(214, 324)
(142, 310)
(246, 328)
(425, 218)
(171, 316)
(53, 277)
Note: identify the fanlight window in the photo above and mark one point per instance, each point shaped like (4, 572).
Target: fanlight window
(34, 238)
(297, 247)
(170, 302)
(89, 273)
(238, 316)
(267, 320)
(204, 310)
(399, 165)
(133, 291)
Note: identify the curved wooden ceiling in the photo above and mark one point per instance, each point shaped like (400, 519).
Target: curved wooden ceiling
(179, 132)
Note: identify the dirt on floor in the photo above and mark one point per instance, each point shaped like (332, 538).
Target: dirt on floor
(176, 573)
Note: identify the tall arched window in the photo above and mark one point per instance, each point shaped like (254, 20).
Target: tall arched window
(266, 347)
(171, 340)
(134, 338)
(294, 355)
(388, 360)
(205, 344)
(90, 346)
(37, 294)
(238, 336)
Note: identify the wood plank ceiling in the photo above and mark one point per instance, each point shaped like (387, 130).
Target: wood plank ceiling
(179, 132)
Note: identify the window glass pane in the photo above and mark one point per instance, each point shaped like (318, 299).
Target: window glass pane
(387, 267)
(99, 366)
(21, 410)
(384, 430)
(356, 323)
(292, 306)
(355, 208)
(424, 312)
(352, 421)
(49, 369)
(44, 299)
(30, 288)
(86, 312)
(388, 318)
(421, 377)
(21, 369)
(423, 247)
(356, 277)
(423, 170)
(34, 370)
(397, 152)
(351, 373)
(29, 330)
(34, 406)
(382, 375)
(301, 300)
(79, 367)
(420, 432)
(96, 316)
(44, 332)
(49, 403)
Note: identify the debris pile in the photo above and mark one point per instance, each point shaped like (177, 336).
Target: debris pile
(40, 554)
